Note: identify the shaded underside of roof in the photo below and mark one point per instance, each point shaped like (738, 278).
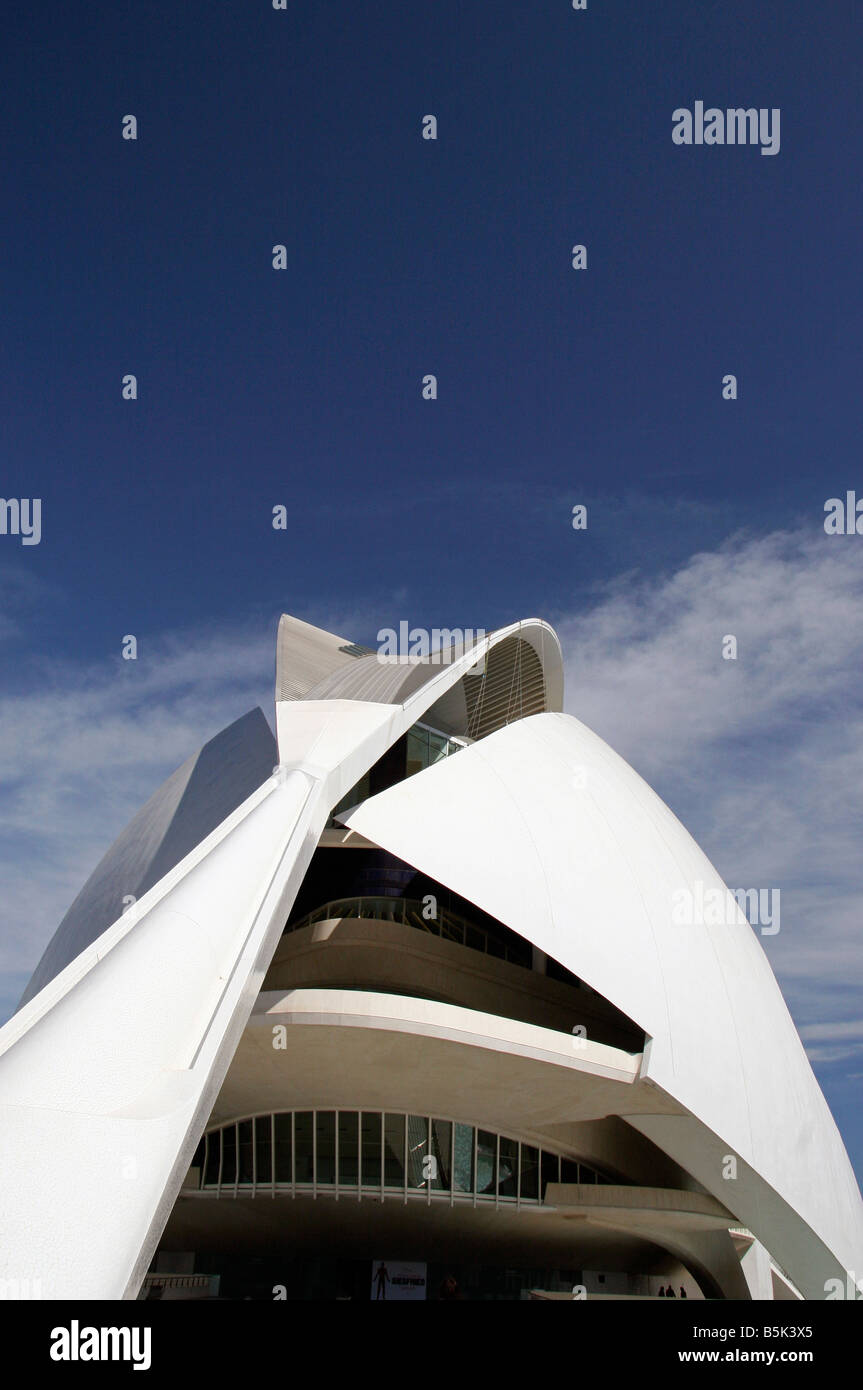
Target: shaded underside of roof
(514, 675)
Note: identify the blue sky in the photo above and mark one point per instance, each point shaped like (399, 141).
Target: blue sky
(302, 388)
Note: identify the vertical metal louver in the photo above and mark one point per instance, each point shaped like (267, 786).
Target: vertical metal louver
(511, 687)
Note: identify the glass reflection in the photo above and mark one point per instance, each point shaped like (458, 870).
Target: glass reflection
(463, 1165)
(394, 1150)
(411, 1153)
(371, 1132)
(349, 1151)
(486, 1162)
(417, 1149)
(246, 1170)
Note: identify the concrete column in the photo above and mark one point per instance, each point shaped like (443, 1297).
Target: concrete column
(756, 1269)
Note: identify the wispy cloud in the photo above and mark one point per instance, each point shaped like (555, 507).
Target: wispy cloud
(834, 1042)
(82, 751)
(762, 757)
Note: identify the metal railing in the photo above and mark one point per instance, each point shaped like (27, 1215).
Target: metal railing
(411, 912)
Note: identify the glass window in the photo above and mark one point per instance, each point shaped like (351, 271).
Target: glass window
(284, 1169)
(453, 928)
(508, 1168)
(417, 1149)
(198, 1156)
(474, 938)
(229, 1154)
(394, 1150)
(486, 1162)
(463, 1165)
(326, 1145)
(304, 1170)
(529, 1173)
(263, 1147)
(396, 1147)
(417, 751)
(554, 971)
(550, 1170)
(349, 1158)
(356, 794)
(568, 1170)
(214, 1151)
(437, 748)
(519, 953)
(246, 1172)
(441, 1142)
(371, 1131)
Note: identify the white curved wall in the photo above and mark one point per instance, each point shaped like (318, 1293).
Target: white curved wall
(120, 1057)
(109, 1072)
(546, 828)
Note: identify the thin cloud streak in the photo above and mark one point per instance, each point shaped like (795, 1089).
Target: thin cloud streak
(762, 757)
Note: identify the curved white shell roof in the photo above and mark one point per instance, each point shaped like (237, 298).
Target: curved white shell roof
(542, 825)
(121, 1055)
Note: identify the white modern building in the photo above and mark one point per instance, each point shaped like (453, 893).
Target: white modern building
(405, 988)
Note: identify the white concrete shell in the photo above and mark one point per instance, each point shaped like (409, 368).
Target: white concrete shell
(112, 1067)
(545, 828)
(109, 1072)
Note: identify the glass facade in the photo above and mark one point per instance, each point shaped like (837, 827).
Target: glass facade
(245, 1152)
(229, 1156)
(426, 747)
(486, 1163)
(394, 1150)
(463, 1159)
(304, 1146)
(370, 1126)
(441, 1155)
(349, 1148)
(325, 1147)
(283, 1144)
(410, 1155)
(422, 747)
(360, 792)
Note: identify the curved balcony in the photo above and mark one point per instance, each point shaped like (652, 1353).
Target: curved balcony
(410, 912)
(385, 945)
